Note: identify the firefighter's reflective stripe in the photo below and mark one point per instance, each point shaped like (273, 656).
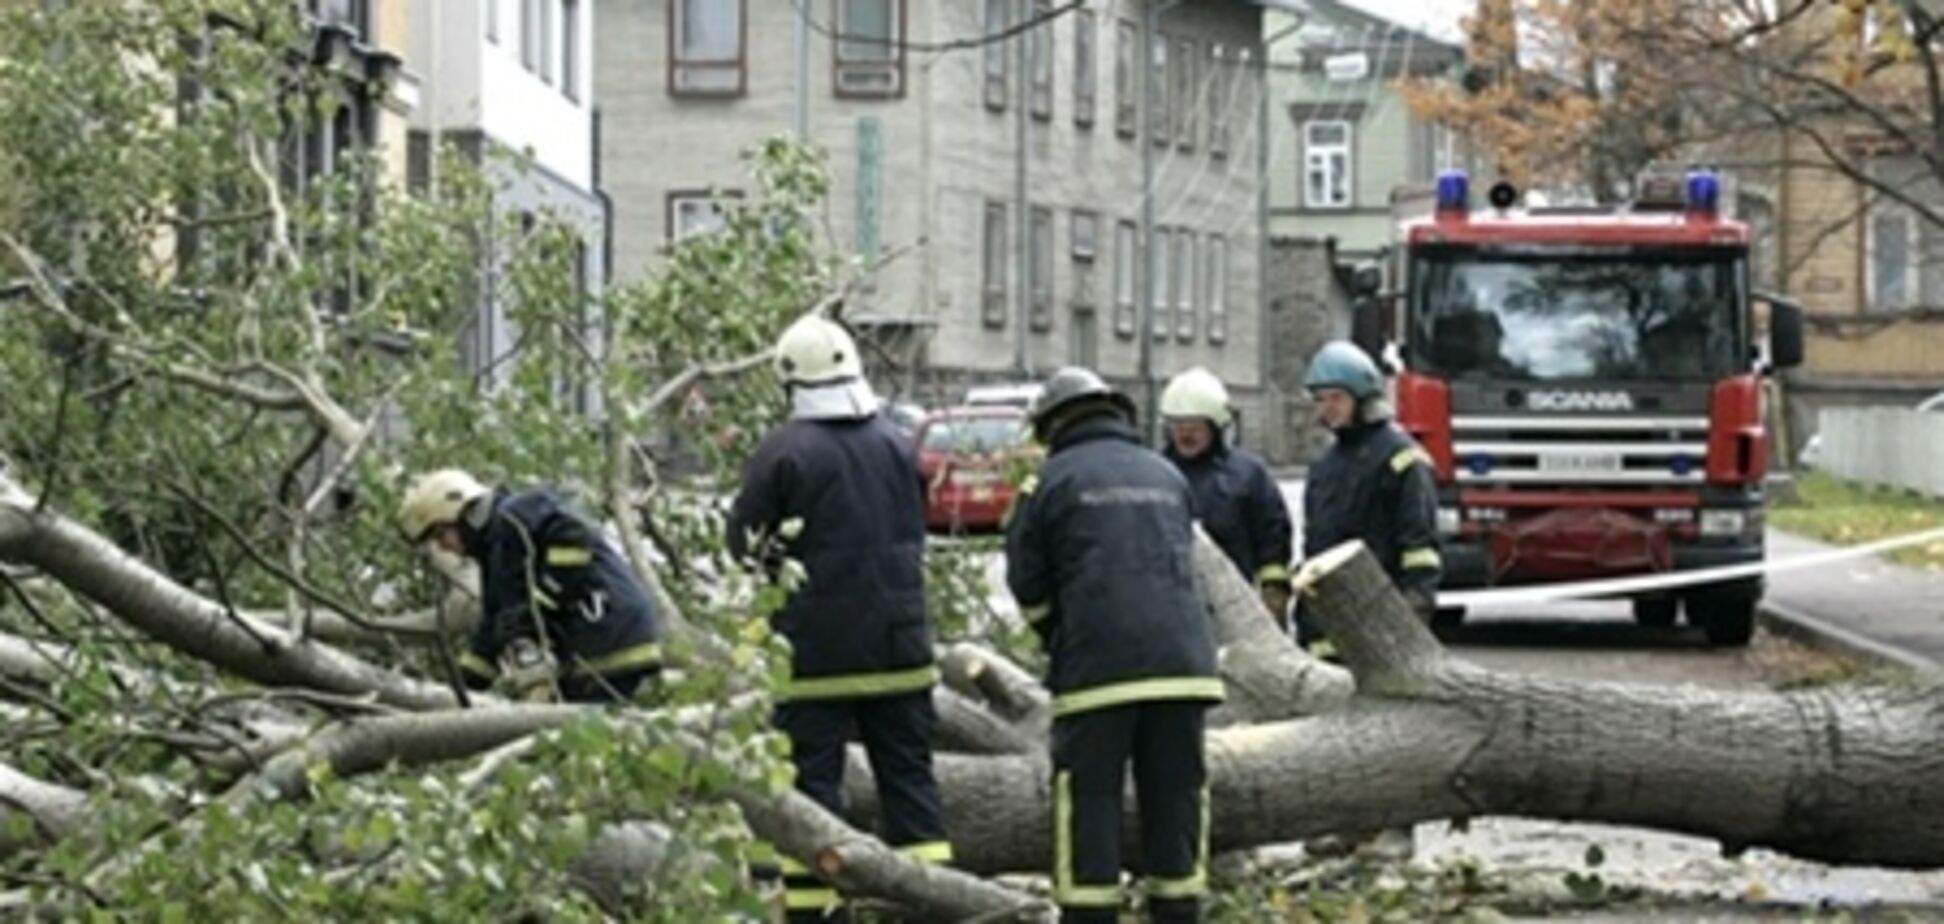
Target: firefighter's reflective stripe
(634, 657)
(1065, 890)
(1135, 691)
(1273, 574)
(1195, 884)
(569, 556)
(472, 663)
(1036, 612)
(1420, 558)
(938, 852)
(544, 599)
(1322, 648)
(1404, 458)
(881, 683)
(818, 899)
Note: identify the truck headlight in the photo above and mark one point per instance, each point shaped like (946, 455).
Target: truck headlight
(1718, 523)
(1448, 521)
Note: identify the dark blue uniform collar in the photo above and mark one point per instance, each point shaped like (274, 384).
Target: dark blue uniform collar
(1105, 425)
(1217, 452)
(475, 539)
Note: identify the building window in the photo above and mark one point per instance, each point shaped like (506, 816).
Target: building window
(1084, 338)
(1159, 91)
(694, 212)
(1125, 247)
(546, 41)
(529, 33)
(997, 18)
(570, 33)
(1215, 277)
(351, 14)
(1903, 259)
(492, 21)
(1326, 164)
(870, 52)
(1040, 52)
(1893, 278)
(993, 288)
(1086, 72)
(1040, 245)
(1221, 84)
(1127, 42)
(1086, 235)
(707, 40)
(1186, 94)
(1160, 297)
(1183, 278)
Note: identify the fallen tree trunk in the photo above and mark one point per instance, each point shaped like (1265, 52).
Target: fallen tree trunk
(1841, 775)
(35, 812)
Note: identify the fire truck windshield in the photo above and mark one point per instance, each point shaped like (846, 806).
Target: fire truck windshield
(1556, 314)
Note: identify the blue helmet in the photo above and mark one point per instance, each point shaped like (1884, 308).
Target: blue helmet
(1342, 364)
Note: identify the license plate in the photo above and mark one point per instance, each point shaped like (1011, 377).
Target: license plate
(974, 478)
(1580, 462)
(982, 495)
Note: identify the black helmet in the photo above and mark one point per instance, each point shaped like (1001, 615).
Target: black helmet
(1070, 389)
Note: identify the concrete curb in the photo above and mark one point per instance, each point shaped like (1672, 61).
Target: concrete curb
(1786, 620)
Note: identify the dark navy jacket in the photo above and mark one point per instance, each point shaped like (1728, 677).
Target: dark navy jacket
(857, 624)
(1100, 555)
(546, 572)
(1374, 483)
(1241, 508)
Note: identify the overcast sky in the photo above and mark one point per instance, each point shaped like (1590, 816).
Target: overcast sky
(1438, 18)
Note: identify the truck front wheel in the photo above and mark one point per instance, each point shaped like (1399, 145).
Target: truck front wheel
(1726, 614)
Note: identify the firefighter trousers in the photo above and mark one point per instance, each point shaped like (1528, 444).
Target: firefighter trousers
(1162, 739)
(897, 736)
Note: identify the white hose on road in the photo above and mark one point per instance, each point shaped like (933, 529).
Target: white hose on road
(1613, 587)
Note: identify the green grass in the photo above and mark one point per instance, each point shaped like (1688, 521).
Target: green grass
(1846, 513)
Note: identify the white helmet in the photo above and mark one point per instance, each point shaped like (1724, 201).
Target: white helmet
(1196, 393)
(436, 499)
(816, 351)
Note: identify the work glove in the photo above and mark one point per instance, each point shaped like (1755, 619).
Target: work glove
(527, 672)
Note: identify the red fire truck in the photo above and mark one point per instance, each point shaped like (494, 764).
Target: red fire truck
(1589, 383)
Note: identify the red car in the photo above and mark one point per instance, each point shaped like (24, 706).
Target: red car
(968, 455)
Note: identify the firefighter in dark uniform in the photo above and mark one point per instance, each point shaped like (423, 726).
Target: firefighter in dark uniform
(1237, 501)
(561, 615)
(1373, 483)
(837, 489)
(1099, 554)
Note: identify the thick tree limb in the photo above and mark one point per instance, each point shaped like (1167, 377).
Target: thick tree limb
(34, 812)
(98, 570)
(1268, 675)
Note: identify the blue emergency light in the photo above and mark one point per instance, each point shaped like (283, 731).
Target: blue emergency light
(1454, 191)
(1703, 191)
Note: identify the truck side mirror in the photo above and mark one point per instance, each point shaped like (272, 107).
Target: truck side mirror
(1785, 332)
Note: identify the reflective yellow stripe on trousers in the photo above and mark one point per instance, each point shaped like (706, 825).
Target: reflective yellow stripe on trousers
(1065, 890)
(874, 684)
(1195, 884)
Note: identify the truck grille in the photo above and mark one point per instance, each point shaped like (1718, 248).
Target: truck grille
(1513, 450)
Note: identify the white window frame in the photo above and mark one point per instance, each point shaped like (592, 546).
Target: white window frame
(493, 21)
(1187, 61)
(1039, 54)
(1161, 89)
(1127, 80)
(1913, 258)
(1187, 271)
(1160, 301)
(998, 59)
(1316, 160)
(1040, 274)
(1086, 67)
(1085, 233)
(1221, 85)
(1216, 278)
(994, 259)
(571, 12)
(1127, 238)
